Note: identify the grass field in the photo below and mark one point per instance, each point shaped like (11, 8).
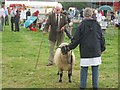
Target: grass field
(20, 52)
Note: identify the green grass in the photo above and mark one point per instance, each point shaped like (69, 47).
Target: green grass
(20, 52)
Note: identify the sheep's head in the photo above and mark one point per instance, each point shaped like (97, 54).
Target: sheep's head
(64, 44)
(67, 56)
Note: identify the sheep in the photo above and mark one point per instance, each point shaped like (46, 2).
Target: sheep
(64, 62)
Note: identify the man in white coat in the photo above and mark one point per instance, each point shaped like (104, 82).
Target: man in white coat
(99, 16)
(23, 15)
(2, 16)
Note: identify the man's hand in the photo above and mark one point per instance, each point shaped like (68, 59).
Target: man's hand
(65, 49)
(71, 24)
(62, 29)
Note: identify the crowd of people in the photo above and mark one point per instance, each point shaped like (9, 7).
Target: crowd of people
(16, 17)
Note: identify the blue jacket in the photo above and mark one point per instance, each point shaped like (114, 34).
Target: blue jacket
(90, 39)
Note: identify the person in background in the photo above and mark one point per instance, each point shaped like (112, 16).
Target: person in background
(9, 10)
(36, 13)
(2, 16)
(12, 14)
(17, 19)
(23, 15)
(94, 15)
(119, 19)
(102, 12)
(71, 13)
(57, 22)
(28, 14)
(91, 43)
(99, 16)
(81, 14)
(75, 12)
(112, 17)
(69, 20)
(6, 16)
(108, 17)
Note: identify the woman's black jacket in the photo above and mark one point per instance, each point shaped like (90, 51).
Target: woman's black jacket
(90, 39)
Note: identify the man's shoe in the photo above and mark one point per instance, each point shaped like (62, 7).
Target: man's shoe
(49, 64)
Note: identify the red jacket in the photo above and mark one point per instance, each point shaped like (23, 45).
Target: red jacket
(36, 13)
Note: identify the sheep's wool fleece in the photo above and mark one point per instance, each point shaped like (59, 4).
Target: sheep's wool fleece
(63, 61)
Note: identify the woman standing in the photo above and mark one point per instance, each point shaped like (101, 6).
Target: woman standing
(91, 42)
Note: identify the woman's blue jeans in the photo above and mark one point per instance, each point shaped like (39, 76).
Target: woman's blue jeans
(83, 76)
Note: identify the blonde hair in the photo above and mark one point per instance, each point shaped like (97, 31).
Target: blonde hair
(88, 12)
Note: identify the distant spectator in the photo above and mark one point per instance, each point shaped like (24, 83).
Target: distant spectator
(99, 17)
(17, 19)
(108, 17)
(119, 19)
(102, 12)
(112, 16)
(81, 14)
(12, 14)
(35, 14)
(75, 12)
(23, 15)
(94, 15)
(67, 15)
(69, 20)
(2, 16)
(6, 16)
(28, 14)
(71, 13)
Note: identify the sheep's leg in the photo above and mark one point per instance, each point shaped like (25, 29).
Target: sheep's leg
(60, 80)
(69, 76)
(61, 74)
(58, 73)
